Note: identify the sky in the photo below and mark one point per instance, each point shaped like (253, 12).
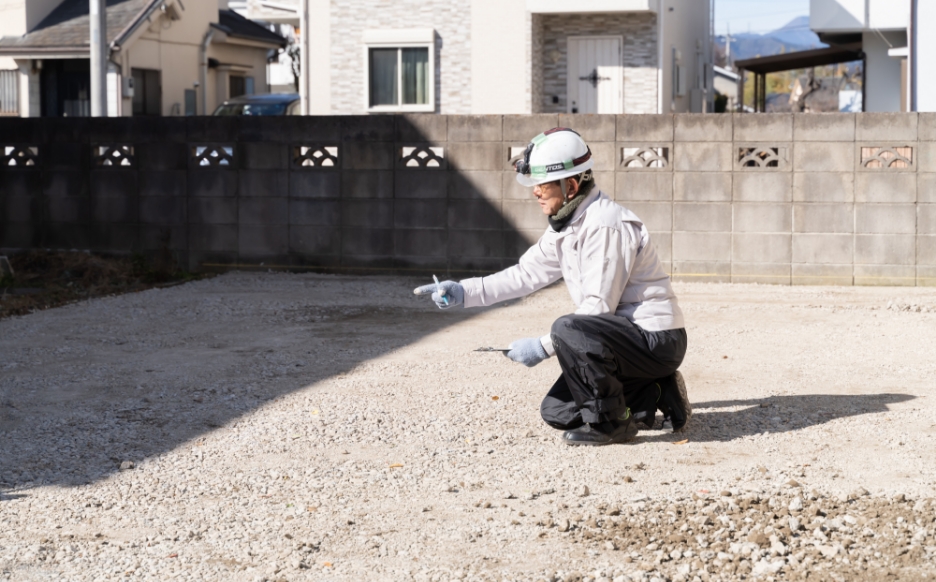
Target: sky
(756, 16)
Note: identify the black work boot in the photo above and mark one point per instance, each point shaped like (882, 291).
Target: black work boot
(610, 432)
(674, 402)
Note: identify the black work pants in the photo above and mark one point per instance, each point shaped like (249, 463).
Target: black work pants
(608, 363)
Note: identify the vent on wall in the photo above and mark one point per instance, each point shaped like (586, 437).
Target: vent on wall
(887, 157)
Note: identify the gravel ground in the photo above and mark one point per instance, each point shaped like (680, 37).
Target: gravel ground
(312, 427)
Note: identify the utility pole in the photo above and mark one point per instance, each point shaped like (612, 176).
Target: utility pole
(99, 56)
(304, 56)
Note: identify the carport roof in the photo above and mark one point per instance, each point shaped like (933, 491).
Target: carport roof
(803, 59)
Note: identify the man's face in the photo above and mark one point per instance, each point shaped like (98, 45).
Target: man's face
(550, 197)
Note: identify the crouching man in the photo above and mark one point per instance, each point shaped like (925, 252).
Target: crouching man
(620, 349)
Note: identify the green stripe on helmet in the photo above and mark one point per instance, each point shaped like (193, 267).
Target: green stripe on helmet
(539, 139)
(538, 172)
(568, 164)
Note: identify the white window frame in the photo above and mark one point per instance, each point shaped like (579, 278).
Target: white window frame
(400, 39)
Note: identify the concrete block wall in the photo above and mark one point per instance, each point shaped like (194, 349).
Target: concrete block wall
(780, 198)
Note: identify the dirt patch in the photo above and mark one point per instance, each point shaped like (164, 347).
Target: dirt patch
(46, 279)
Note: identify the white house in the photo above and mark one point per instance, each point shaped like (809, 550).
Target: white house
(501, 56)
(884, 29)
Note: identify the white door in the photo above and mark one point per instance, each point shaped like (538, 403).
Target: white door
(596, 75)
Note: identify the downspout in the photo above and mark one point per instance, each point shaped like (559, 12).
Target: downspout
(912, 58)
(661, 8)
(204, 69)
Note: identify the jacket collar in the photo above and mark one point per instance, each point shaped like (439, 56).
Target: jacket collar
(580, 211)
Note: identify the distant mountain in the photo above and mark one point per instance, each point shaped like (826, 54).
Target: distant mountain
(793, 36)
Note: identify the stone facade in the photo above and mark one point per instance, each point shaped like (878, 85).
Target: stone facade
(550, 47)
(452, 23)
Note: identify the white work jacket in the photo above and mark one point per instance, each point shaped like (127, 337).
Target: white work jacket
(609, 265)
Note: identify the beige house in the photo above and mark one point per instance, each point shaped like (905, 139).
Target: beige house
(167, 57)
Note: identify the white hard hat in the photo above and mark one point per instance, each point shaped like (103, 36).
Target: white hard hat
(553, 155)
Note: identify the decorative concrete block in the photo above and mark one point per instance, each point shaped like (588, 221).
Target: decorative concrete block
(312, 212)
(823, 248)
(823, 187)
(926, 188)
(823, 157)
(111, 209)
(592, 128)
(701, 246)
(420, 243)
(462, 128)
(475, 215)
(212, 211)
(761, 273)
(631, 186)
(421, 184)
(263, 156)
(264, 211)
(162, 210)
(926, 219)
(524, 215)
(523, 128)
(702, 157)
(702, 187)
(705, 128)
(824, 127)
(656, 216)
(885, 275)
(827, 218)
(480, 184)
(477, 243)
(926, 249)
(315, 240)
(366, 242)
(314, 184)
(886, 188)
(420, 214)
(421, 127)
(262, 240)
(761, 248)
(476, 156)
(886, 126)
(368, 155)
(262, 184)
(373, 184)
(372, 214)
(701, 271)
(691, 217)
(762, 187)
(885, 218)
(645, 128)
(766, 128)
(212, 237)
(762, 218)
(822, 274)
(885, 249)
(216, 183)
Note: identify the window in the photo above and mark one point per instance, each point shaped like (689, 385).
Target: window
(147, 92)
(400, 71)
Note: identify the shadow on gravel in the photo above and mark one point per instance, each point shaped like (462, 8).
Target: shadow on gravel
(70, 417)
(776, 414)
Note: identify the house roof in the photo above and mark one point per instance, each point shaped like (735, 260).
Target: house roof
(233, 24)
(802, 59)
(67, 28)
